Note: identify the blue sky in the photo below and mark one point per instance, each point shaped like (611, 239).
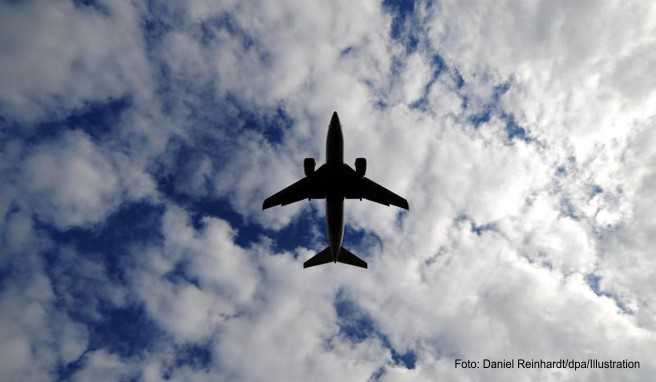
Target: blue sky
(138, 140)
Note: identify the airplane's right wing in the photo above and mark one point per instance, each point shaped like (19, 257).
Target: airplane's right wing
(303, 189)
(373, 191)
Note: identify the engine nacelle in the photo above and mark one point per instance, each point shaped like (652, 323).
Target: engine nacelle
(360, 166)
(308, 166)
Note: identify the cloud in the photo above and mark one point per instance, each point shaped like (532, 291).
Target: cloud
(101, 366)
(39, 336)
(201, 287)
(520, 133)
(64, 56)
(214, 279)
(72, 181)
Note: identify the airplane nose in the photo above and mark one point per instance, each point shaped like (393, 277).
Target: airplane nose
(334, 121)
(334, 141)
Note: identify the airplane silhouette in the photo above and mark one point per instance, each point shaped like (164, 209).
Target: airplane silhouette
(335, 181)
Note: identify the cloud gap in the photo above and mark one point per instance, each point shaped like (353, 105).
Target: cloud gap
(196, 356)
(302, 231)
(439, 66)
(66, 370)
(200, 207)
(594, 282)
(491, 107)
(377, 375)
(94, 5)
(156, 21)
(361, 239)
(132, 224)
(97, 119)
(513, 130)
(228, 23)
(477, 229)
(127, 331)
(180, 275)
(403, 27)
(356, 325)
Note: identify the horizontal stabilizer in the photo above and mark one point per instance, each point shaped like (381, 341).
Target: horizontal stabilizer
(322, 257)
(347, 257)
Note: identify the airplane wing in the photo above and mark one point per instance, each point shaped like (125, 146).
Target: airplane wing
(370, 190)
(303, 189)
(379, 194)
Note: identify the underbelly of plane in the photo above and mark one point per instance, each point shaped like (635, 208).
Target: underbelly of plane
(335, 222)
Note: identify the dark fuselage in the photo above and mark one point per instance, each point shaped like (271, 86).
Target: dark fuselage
(335, 198)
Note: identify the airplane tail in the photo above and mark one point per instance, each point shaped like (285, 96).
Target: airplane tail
(326, 256)
(322, 257)
(347, 257)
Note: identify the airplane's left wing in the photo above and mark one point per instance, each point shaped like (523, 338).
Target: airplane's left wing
(303, 189)
(368, 189)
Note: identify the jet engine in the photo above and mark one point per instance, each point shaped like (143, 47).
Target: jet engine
(308, 166)
(360, 166)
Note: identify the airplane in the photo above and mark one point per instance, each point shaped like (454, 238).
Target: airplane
(335, 181)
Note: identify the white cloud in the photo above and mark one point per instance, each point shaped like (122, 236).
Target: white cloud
(503, 236)
(62, 56)
(18, 233)
(37, 336)
(225, 280)
(72, 181)
(240, 302)
(448, 169)
(103, 366)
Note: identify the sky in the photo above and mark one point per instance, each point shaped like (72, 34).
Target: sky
(138, 140)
